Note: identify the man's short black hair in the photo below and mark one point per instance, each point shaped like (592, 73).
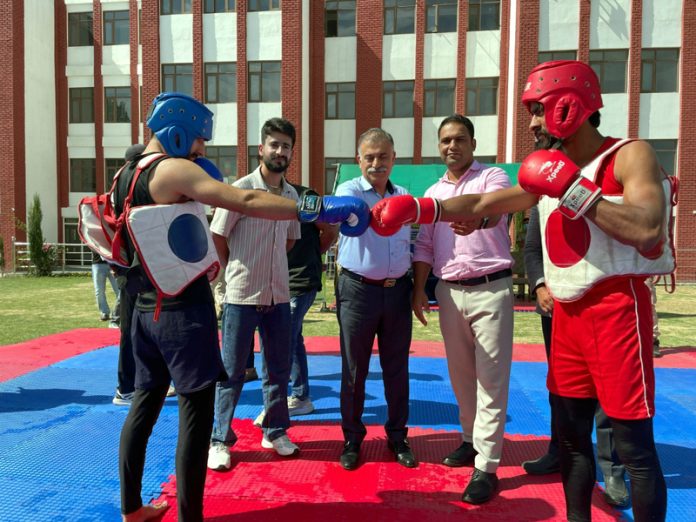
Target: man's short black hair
(595, 119)
(458, 118)
(280, 125)
(134, 150)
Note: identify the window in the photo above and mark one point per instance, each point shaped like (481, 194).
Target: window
(666, 151)
(80, 29)
(76, 253)
(175, 7)
(252, 157)
(439, 98)
(659, 70)
(117, 104)
(82, 105)
(178, 77)
(397, 99)
(481, 96)
(440, 16)
(547, 56)
(339, 18)
(111, 166)
(220, 82)
(264, 5)
(219, 6)
(610, 66)
(340, 101)
(399, 16)
(330, 167)
(225, 157)
(83, 175)
(264, 81)
(484, 15)
(115, 27)
(486, 160)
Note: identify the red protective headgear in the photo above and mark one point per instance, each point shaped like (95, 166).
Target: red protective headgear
(568, 90)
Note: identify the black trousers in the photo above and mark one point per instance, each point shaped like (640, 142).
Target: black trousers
(635, 447)
(126, 361)
(195, 426)
(365, 311)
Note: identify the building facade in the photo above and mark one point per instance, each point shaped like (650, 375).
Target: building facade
(79, 76)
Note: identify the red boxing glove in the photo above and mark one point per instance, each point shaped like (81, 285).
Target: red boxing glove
(389, 214)
(552, 173)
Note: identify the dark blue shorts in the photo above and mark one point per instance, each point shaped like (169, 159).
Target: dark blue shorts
(182, 346)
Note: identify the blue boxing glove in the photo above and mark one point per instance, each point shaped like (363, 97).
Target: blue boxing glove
(210, 168)
(353, 213)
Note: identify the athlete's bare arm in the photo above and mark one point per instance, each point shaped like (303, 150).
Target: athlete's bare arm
(178, 179)
(639, 221)
(505, 201)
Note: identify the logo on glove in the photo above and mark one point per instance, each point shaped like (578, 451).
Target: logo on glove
(554, 166)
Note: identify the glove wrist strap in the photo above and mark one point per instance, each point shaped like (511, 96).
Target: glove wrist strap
(580, 197)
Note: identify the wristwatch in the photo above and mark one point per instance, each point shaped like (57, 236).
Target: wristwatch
(484, 222)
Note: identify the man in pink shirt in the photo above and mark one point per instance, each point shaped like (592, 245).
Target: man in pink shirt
(475, 296)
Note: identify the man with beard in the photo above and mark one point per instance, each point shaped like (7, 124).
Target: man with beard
(257, 295)
(476, 305)
(605, 212)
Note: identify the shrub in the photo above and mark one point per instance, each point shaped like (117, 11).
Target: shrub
(41, 254)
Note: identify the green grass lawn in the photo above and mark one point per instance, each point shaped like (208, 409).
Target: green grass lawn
(31, 307)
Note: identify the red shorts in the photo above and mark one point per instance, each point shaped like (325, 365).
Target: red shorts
(602, 348)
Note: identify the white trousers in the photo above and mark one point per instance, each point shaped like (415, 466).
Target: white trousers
(476, 324)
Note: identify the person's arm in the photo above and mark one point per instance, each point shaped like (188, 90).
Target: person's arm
(419, 299)
(534, 262)
(223, 250)
(289, 243)
(178, 179)
(639, 221)
(505, 201)
(327, 235)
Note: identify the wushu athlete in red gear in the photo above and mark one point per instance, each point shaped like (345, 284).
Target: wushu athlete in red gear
(605, 211)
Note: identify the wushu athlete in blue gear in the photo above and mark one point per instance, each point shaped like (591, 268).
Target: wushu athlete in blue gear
(183, 344)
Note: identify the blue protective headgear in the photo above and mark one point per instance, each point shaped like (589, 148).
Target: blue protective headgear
(178, 120)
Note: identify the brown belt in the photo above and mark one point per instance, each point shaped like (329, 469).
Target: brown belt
(474, 281)
(386, 283)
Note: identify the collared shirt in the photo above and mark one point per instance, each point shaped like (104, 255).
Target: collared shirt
(480, 253)
(257, 270)
(370, 254)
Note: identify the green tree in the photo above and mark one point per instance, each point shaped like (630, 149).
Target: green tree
(41, 254)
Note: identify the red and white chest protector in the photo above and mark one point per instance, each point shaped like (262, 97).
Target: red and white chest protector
(578, 255)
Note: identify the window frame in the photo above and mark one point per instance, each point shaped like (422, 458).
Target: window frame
(111, 167)
(218, 76)
(392, 89)
(435, 85)
(213, 6)
(658, 71)
(76, 36)
(343, 91)
(660, 152)
(477, 15)
(112, 29)
(603, 65)
(113, 98)
(339, 13)
(394, 7)
(255, 6)
(435, 6)
(213, 153)
(174, 7)
(172, 81)
(549, 56)
(261, 74)
(474, 84)
(86, 169)
(85, 104)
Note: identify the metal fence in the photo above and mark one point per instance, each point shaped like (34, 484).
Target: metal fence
(70, 257)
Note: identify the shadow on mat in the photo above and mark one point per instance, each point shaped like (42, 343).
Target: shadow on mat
(45, 399)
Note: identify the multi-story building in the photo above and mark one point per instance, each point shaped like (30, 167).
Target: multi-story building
(78, 77)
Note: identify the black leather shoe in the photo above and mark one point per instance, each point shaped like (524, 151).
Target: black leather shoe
(403, 453)
(481, 487)
(462, 456)
(544, 465)
(350, 455)
(616, 492)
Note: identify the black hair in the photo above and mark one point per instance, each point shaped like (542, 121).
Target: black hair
(595, 119)
(279, 125)
(458, 118)
(134, 150)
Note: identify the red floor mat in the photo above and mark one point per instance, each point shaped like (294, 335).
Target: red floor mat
(313, 487)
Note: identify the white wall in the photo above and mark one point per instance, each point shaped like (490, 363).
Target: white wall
(339, 139)
(176, 38)
(662, 23)
(440, 55)
(609, 24)
(40, 114)
(482, 54)
(224, 123)
(220, 37)
(340, 59)
(399, 57)
(257, 114)
(264, 36)
(559, 25)
(486, 135)
(401, 130)
(659, 115)
(429, 142)
(614, 115)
